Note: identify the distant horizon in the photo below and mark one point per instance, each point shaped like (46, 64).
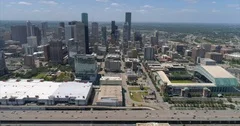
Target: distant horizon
(122, 21)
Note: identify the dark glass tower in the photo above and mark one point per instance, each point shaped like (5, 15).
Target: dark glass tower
(85, 21)
(128, 19)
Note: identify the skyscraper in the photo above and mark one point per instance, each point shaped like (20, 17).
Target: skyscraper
(19, 33)
(85, 22)
(128, 19)
(29, 29)
(95, 31)
(113, 27)
(44, 32)
(32, 41)
(104, 36)
(62, 24)
(80, 37)
(125, 34)
(68, 32)
(3, 68)
(37, 33)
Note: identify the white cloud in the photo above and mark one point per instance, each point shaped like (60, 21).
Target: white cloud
(49, 2)
(147, 6)
(214, 2)
(115, 4)
(188, 10)
(191, 1)
(107, 8)
(141, 11)
(24, 3)
(102, 1)
(36, 11)
(215, 11)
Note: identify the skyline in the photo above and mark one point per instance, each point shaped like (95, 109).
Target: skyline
(177, 11)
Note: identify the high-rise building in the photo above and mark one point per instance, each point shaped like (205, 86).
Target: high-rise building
(3, 68)
(19, 33)
(29, 29)
(113, 27)
(44, 33)
(154, 41)
(80, 38)
(125, 34)
(95, 33)
(69, 32)
(157, 35)
(138, 37)
(56, 51)
(197, 52)
(149, 53)
(32, 41)
(128, 19)
(104, 36)
(37, 33)
(62, 24)
(85, 22)
(85, 67)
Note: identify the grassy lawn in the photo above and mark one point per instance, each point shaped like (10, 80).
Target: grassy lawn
(137, 88)
(137, 96)
(40, 76)
(181, 81)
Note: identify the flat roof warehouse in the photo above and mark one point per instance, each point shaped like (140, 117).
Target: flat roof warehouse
(44, 90)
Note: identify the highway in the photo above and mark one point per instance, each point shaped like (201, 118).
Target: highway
(186, 116)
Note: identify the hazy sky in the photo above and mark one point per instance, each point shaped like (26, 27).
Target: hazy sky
(205, 11)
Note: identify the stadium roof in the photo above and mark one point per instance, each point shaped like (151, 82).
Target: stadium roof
(217, 71)
(43, 90)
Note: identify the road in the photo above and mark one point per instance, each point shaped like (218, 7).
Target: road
(122, 115)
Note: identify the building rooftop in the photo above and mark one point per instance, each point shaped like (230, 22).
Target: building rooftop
(110, 78)
(43, 90)
(217, 71)
(152, 124)
(110, 92)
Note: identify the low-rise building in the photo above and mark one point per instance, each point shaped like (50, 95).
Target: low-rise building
(109, 80)
(20, 92)
(218, 57)
(110, 95)
(112, 65)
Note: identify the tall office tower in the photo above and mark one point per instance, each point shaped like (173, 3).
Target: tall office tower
(68, 32)
(19, 33)
(157, 35)
(3, 68)
(80, 38)
(138, 37)
(149, 53)
(95, 33)
(198, 52)
(125, 35)
(56, 52)
(113, 27)
(85, 22)
(37, 33)
(62, 24)
(29, 29)
(104, 36)
(128, 19)
(44, 29)
(154, 41)
(32, 41)
(60, 33)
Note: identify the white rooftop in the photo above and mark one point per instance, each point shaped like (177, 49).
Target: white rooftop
(217, 71)
(110, 78)
(43, 90)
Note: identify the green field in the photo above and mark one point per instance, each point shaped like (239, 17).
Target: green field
(137, 88)
(181, 81)
(138, 96)
(40, 76)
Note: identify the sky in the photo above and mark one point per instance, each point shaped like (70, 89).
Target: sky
(186, 11)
